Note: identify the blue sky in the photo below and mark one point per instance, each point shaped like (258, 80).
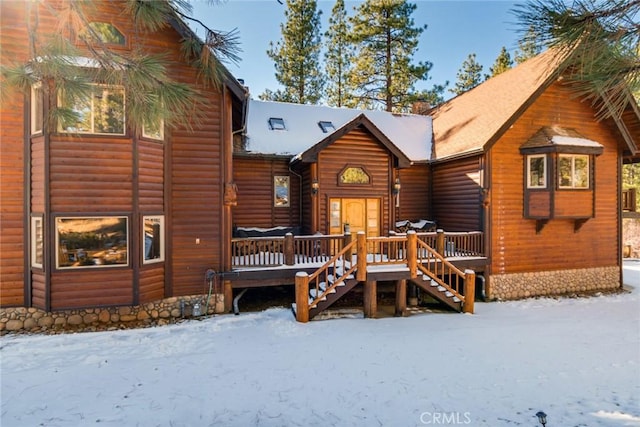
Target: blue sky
(454, 30)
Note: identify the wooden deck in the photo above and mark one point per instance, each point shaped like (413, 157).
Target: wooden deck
(275, 261)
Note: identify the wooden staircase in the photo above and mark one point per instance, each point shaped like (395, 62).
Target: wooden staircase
(427, 268)
(438, 292)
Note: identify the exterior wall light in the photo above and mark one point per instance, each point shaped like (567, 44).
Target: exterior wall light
(314, 187)
(396, 187)
(542, 418)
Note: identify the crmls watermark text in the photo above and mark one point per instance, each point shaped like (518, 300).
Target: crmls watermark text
(445, 418)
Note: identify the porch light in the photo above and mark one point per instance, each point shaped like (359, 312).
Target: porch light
(542, 418)
(396, 187)
(314, 187)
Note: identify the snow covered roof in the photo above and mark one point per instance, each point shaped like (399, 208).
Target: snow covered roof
(560, 139)
(303, 129)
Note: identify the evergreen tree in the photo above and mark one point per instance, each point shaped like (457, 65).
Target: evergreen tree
(469, 75)
(528, 46)
(296, 56)
(386, 38)
(339, 56)
(151, 94)
(428, 99)
(600, 42)
(502, 64)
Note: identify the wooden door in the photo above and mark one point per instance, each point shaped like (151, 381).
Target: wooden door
(360, 214)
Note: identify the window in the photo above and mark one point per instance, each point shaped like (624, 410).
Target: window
(154, 130)
(37, 108)
(276, 123)
(103, 32)
(354, 175)
(99, 112)
(326, 126)
(37, 242)
(86, 242)
(537, 171)
(573, 171)
(153, 238)
(281, 191)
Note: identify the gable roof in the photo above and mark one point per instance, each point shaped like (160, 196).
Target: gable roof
(311, 154)
(406, 135)
(469, 122)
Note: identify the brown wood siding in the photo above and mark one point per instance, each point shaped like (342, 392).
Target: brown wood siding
(573, 204)
(38, 289)
(357, 148)
(91, 174)
(91, 288)
(196, 199)
(414, 193)
(539, 204)
(151, 282)
(515, 246)
(456, 198)
(254, 178)
(12, 268)
(150, 176)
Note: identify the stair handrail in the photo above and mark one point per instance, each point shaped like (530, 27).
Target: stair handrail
(442, 261)
(339, 257)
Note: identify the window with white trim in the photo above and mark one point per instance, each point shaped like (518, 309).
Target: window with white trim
(89, 242)
(37, 108)
(153, 238)
(37, 241)
(154, 130)
(573, 171)
(537, 171)
(101, 111)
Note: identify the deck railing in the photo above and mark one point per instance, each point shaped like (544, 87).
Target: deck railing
(295, 250)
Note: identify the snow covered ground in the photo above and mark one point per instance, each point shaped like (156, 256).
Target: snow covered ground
(578, 360)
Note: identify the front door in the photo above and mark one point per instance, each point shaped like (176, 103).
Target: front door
(359, 214)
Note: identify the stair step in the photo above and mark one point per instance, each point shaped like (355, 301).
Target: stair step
(449, 294)
(441, 288)
(456, 299)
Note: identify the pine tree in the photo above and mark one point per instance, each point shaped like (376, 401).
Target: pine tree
(528, 46)
(469, 75)
(386, 39)
(502, 64)
(296, 56)
(601, 40)
(338, 57)
(152, 95)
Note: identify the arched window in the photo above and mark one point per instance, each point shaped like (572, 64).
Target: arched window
(354, 175)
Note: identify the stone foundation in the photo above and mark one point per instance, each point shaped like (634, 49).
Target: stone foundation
(547, 283)
(160, 312)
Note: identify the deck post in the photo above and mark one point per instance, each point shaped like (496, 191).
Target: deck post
(440, 241)
(289, 256)
(469, 291)
(370, 299)
(302, 297)
(348, 238)
(361, 248)
(412, 253)
(401, 297)
(228, 296)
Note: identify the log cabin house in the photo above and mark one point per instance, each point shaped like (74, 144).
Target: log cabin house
(520, 179)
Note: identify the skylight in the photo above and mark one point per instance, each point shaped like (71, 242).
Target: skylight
(326, 126)
(276, 123)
